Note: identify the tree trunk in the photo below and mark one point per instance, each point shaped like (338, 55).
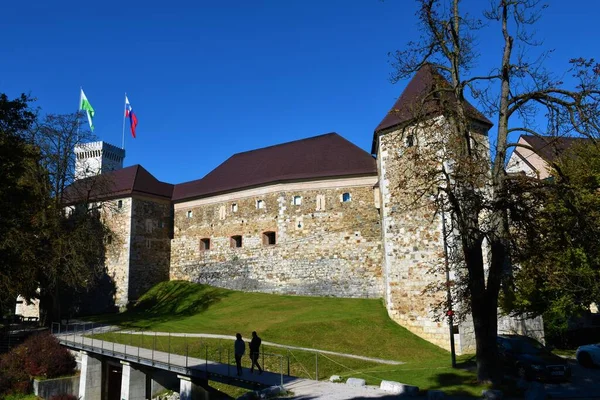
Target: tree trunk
(484, 310)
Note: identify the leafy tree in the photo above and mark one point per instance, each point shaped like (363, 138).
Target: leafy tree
(71, 254)
(451, 162)
(19, 200)
(559, 253)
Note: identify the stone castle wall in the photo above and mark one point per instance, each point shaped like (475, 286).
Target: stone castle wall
(324, 246)
(117, 217)
(414, 248)
(150, 244)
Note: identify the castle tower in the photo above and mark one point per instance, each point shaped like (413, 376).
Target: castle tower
(96, 158)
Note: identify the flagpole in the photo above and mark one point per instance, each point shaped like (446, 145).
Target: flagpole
(124, 111)
(78, 109)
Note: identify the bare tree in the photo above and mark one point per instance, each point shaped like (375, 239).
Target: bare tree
(451, 161)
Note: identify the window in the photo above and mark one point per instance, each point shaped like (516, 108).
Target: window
(260, 204)
(297, 200)
(222, 213)
(299, 223)
(189, 214)
(148, 244)
(269, 238)
(120, 204)
(235, 241)
(410, 141)
(346, 197)
(320, 202)
(149, 225)
(205, 244)
(109, 239)
(234, 207)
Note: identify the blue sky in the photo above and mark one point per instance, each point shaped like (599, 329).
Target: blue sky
(208, 79)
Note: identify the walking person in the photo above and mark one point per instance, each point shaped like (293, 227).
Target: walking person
(239, 349)
(254, 352)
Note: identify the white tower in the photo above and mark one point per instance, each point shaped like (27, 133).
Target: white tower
(96, 158)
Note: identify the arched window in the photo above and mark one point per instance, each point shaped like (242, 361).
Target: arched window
(346, 197)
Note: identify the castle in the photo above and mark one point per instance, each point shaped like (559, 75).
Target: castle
(317, 216)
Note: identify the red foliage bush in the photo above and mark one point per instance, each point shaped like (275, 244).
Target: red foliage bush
(45, 357)
(13, 378)
(63, 397)
(40, 355)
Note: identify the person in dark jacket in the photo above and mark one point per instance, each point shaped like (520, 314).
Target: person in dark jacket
(254, 352)
(239, 349)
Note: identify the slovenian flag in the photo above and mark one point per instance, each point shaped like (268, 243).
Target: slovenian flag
(131, 115)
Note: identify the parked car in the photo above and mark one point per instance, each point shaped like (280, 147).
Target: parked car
(530, 359)
(589, 355)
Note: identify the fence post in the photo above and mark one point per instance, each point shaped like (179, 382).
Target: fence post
(280, 369)
(125, 349)
(288, 363)
(228, 358)
(169, 355)
(139, 346)
(186, 352)
(82, 342)
(317, 366)
(153, 346)
(206, 360)
(263, 356)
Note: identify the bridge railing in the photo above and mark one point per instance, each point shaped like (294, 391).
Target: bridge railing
(161, 351)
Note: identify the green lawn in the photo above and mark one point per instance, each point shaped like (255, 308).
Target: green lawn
(355, 326)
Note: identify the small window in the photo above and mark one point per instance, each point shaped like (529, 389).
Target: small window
(260, 204)
(346, 197)
(320, 202)
(148, 244)
(234, 207)
(269, 238)
(109, 239)
(189, 214)
(297, 200)
(299, 223)
(205, 244)
(120, 204)
(235, 241)
(410, 141)
(149, 226)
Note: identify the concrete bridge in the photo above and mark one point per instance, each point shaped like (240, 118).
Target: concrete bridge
(116, 371)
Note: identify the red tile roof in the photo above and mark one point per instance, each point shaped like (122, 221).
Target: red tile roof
(120, 183)
(416, 101)
(323, 156)
(550, 147)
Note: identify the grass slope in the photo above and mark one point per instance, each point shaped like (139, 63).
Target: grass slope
(355, 326)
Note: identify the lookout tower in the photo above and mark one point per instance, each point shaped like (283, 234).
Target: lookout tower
(96, 158)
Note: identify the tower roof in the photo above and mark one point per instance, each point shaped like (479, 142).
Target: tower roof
(318, 157)
(120, 183)
(419, 100)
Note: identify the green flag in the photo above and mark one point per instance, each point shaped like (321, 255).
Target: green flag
(85, 105)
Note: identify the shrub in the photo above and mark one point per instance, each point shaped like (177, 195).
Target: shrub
(45, 357)
(40, 355)
(63, 397)
(13, 378)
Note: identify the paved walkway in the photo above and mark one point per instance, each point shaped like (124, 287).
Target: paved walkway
(232, 338)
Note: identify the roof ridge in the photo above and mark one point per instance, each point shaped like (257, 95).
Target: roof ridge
(286, 143)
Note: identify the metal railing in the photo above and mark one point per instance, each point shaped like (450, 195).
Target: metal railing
(147, 350)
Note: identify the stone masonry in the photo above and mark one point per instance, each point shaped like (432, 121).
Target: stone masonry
(324, 246)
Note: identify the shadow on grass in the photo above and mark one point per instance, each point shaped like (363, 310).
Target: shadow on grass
(166, 302)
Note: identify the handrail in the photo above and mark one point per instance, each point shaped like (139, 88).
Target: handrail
(67, 334)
